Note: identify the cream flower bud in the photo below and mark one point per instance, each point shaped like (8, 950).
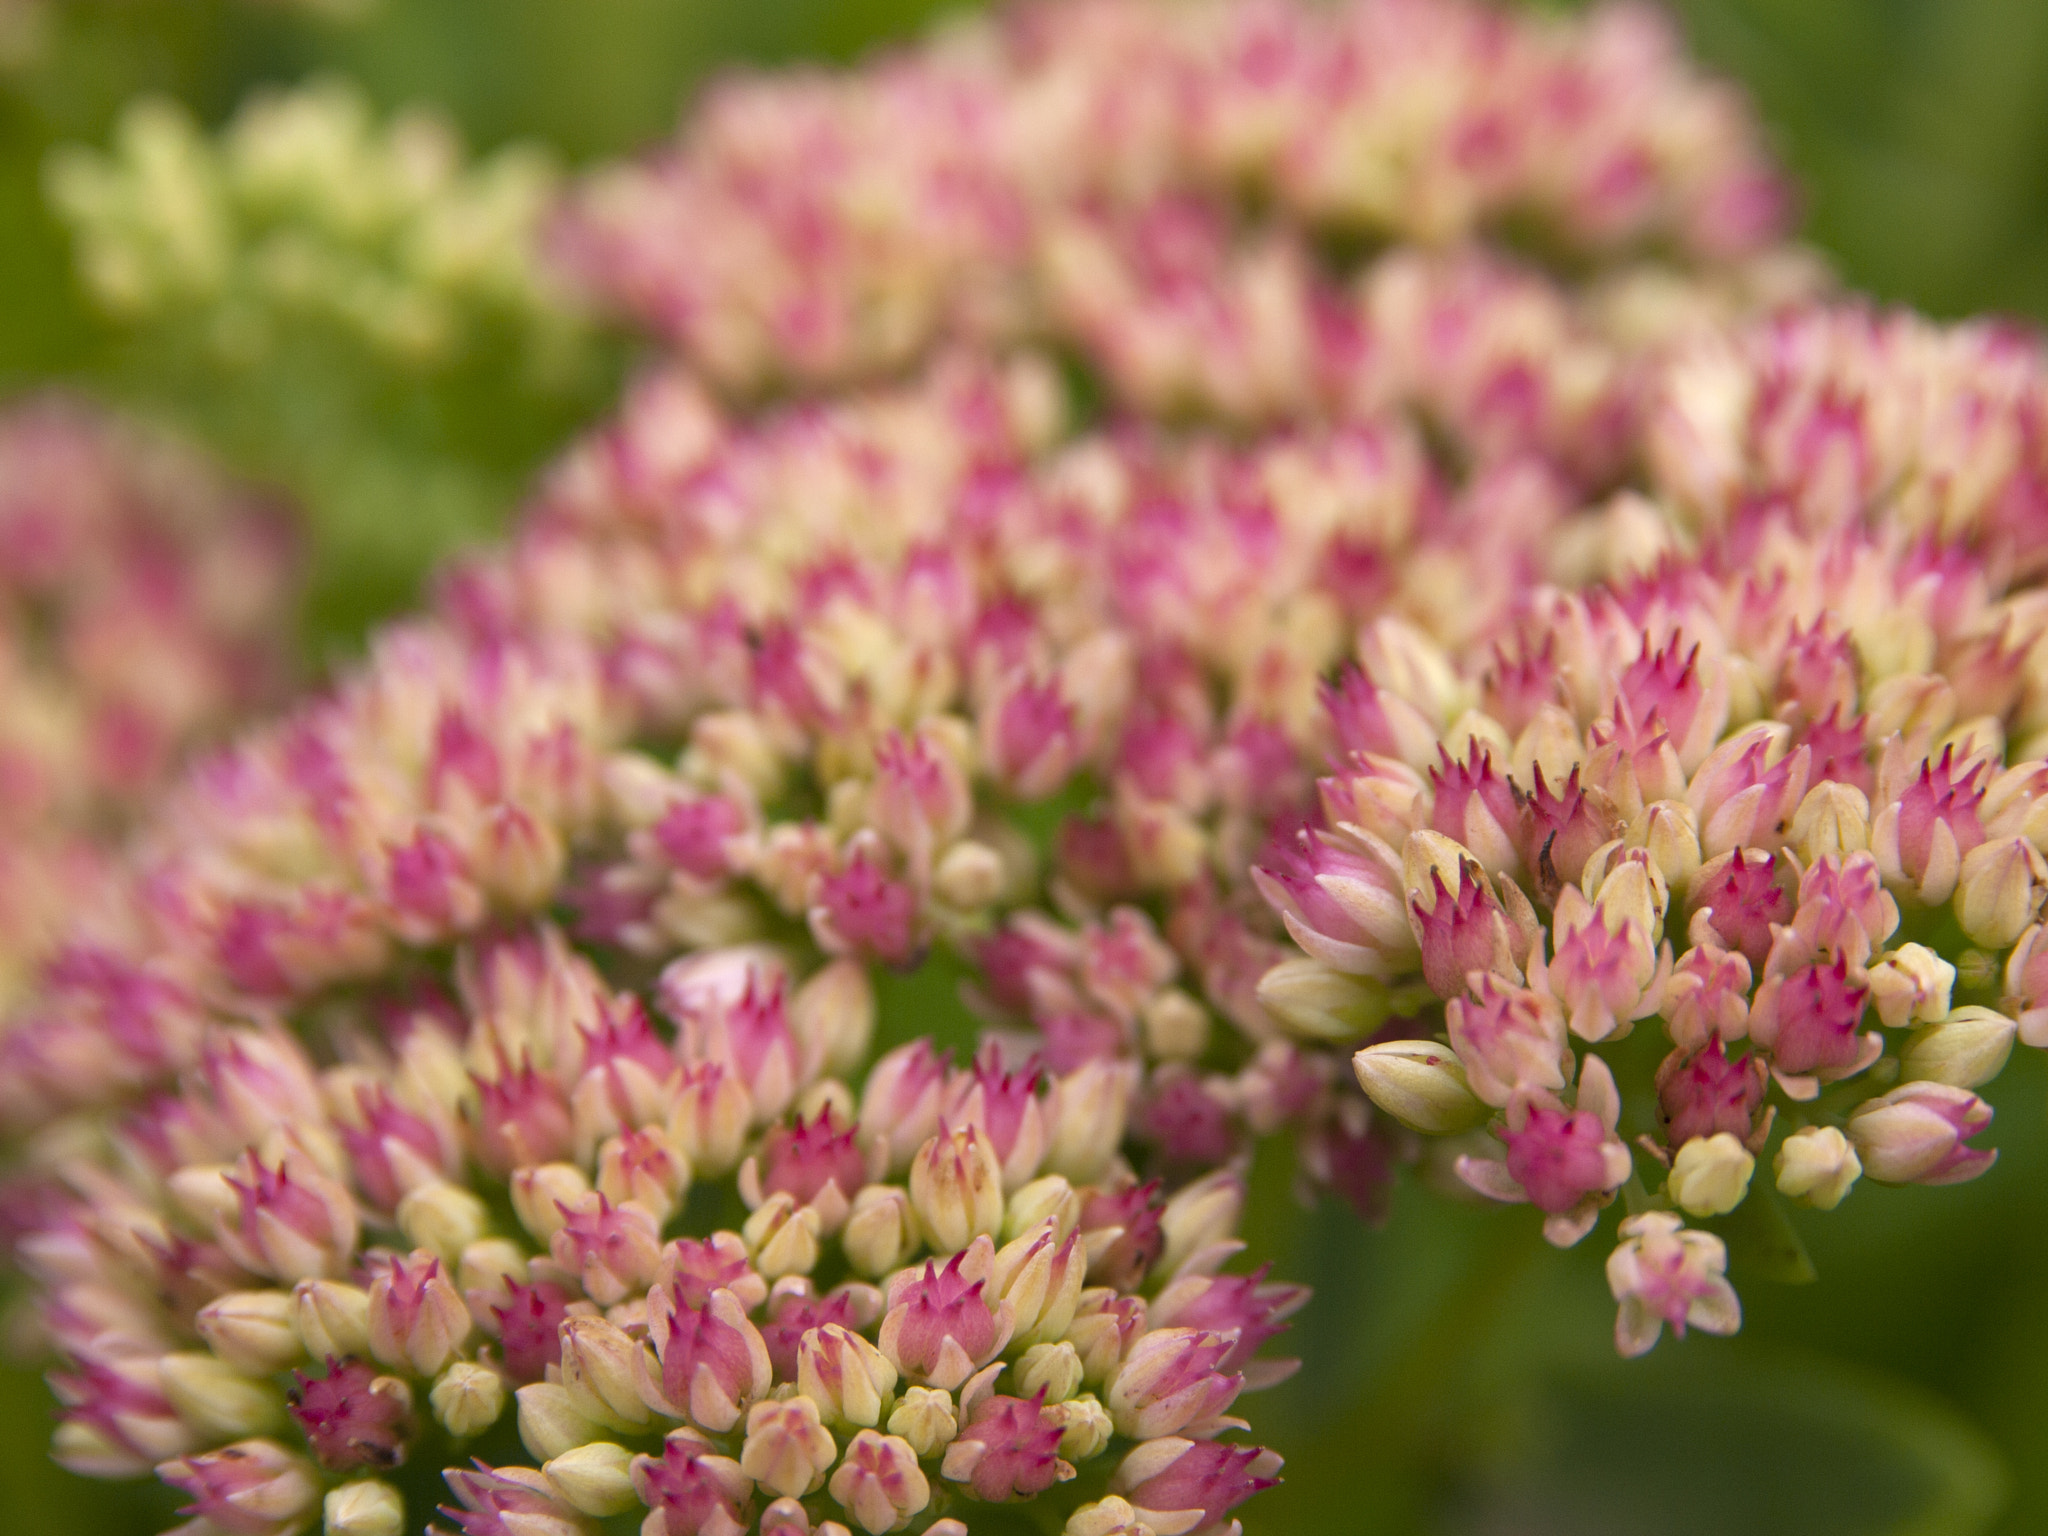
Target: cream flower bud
(467, 1398)
(1421, 1084)
(1710, 1175)
(594, 1479)
(788, 1449)
(539, 1195)
(1669, 830)
(1910, 985)
(711, 1114)
(956, 1187)
(1176, 1027)
(1999, 890)
(1317, 1002)
(598, 1362)
(782, 1237)
(550, 1424)
(1085, 1427)
(1054, 1369)
(881, 1231)
(253, 1331)
(924, 1417)
(880, 1483)
(418, 1320)
(646, 1167)
(442, 1218)
(1834, 818)
(367, 1508)
(832, 1017)
(1818, 1165)
(216, 1399)
(970, 875)
(1203, 1213)
(333, 1318)
(1051, 1198)
(850, 1380)
(1085, 1118)
(1040, 1274)
(1966, 1048)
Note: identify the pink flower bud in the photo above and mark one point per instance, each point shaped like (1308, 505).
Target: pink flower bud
(879, 1483)
(1030, 739)
(1475, 806)
(1669, 686)
(1843, 909)
(1916, 1135)
(614, 1250)
(850, 1380)
(429, 888)
(1009, 1450)
(1121, 1228)
(624, 1074)
(293, 1222)
(257, 1081)
(1341, 901)
(522, 1118)
(696, 1267)
(1175, 1477)
(509, 1501)
(250, 1488)
(1105, 1323)
(956, 1186)
(1169, 1381)
(1807, 1020)
(709, 1116)
(1921, 836)
(747, 1033)
(920, 799)
(1508, 1037)
(1747, 789)
(1705, 1093)
(859, 910)
(1085, 1117)
(796, 1309)
(946, 1322)
(117, 1421)
(352, 1417)
(817, 1162)
(1608, 970)
(1562, 828)
(691, 1492)
(644, 1167)
(418, 1320)
(1245, 1305)
(1707, 997)
(392, 1150)
(787, 1450)
(700, 836)
(1460, 928)
(529, 1326)
(901, 1101)
(1567, 1162)
(1735, 899)
(1662, 1273)
(712, 1360)
(1007, 1109)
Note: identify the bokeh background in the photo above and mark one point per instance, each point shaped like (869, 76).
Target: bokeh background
(1460, 1376)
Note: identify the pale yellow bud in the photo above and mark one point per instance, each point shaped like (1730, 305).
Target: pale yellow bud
(467, 1399)
(1999, 890)
(216, 1399)
(1669, 831)
(253, 1331)
(549, 1423)
(956, 1188)
(595, 1479)
(1085, 1118)
(1317, 1002)
(1833, 820)
(832, 1017)
(1817, 1165)
(1910, 985)
(1051, 1198)
(1710, 1175)
(333, 1318)
(782, 1237)
(1968, 1047)
(1176, 1026)
(368, 1508)
(1199, 1215)
(443, 1219)
(1054, 1369)
(1085, 1427)
(970, 875)
(540, 1193)
(924, 1417)
(880, 1234)
(1421, 1084)
(787, 1450)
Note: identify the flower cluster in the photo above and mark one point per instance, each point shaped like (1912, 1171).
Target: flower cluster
(306, 211)
(144, 608)
(1777, 801)
(1174, 187)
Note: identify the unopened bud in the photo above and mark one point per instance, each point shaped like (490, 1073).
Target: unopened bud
(443, 1219)
(1999, 890)
(881, 1231)
(540, 1194)
(1817, 1165)
(1085, 1118)
(850, 1380)
(1176, 1026)
(252, 1331)
(214, 1398)
(1968, 1047)
(1833, 819)
(1199, 1215)
(418, 1320)
(924, 1417)
(880, 1483)
(367, 1508)
(1421, 1084)
(595, 1479)
(1314, 1001)
(646, 1167)
(956, 1187)
(1051, 1198)
(833, 1018)
(1053, 1369)
(549, 1423)
(1710, 1176)
(788, 1449)
(1669, 831)
(1910, 985)
(333, 1318)
(970, 875)
(1085, 1427)
(782, 1237)
(467, 1399)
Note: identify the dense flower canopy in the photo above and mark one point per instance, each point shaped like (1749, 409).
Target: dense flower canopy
(1171, 548)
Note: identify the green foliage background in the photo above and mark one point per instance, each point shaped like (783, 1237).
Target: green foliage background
(1459, 1374)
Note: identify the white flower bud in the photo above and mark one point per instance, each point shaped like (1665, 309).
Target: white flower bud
(333, 1318)
(216, 1399)
(924, 1416)
(595, 1479)
(367, 1508)
(252, 1331)
(468, 1398)
(1421, 1084)
(539, 1194)
(442, 1218)
(1968, 1047)
(1054, 1369)
(1710, 1176)
(1817, 1165)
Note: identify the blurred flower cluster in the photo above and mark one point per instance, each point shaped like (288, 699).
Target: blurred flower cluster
(305, 210)
(1171, 546)
(145, 607)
